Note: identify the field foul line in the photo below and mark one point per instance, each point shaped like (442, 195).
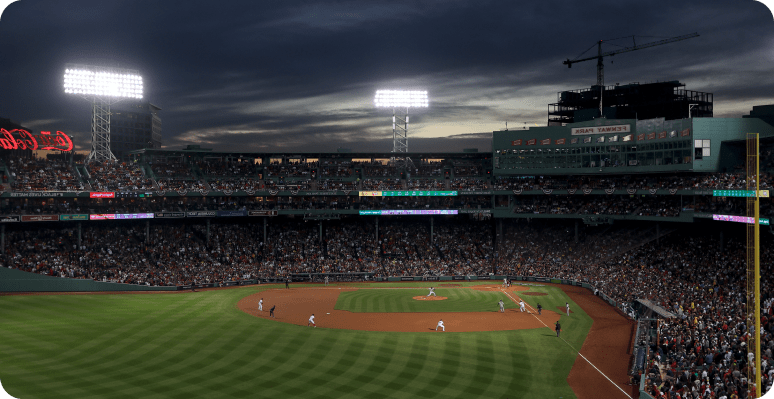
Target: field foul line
(575, 350)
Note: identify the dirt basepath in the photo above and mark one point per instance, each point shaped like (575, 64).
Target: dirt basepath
(295, 305)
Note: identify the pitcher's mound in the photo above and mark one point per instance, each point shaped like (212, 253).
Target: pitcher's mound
(430, 298)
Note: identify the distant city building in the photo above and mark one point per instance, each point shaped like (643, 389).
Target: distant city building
(134, 126)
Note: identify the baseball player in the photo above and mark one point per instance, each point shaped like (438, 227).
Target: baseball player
(326, 281)
(271, 311)
(502, 305)
(260, 305)
(505, 282)
(286, 283)
(558, 328)
(567, 305)
(432, 292)
(540, 309)
(440, 324)
(311, 321)
(522, 306)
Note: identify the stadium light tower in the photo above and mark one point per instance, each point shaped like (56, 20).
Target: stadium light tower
(397, 100)
(101, 86)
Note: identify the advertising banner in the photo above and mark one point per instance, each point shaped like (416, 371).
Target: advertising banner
(102, 216)
(170, 215)
(39, 218)
(9, 219)
(134, 216)
(407, 279)
(101, 195)
(73, 217)
(201, 214)
(600, 129)
(262, 213)
(232, 213)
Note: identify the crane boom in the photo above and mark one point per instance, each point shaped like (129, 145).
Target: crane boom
(600, 54)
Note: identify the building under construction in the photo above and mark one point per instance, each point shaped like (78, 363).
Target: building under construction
(668, 100)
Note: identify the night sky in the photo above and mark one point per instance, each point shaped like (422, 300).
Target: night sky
(301, 76)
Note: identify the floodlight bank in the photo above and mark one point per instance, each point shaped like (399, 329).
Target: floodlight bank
(81, 81)
(401, 98)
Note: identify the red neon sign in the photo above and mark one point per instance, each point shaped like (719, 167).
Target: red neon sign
(27, 140)
(95, 194)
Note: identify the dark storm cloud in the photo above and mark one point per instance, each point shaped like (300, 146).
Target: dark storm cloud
(297, 75)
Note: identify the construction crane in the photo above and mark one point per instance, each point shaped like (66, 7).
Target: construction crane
(600, 55)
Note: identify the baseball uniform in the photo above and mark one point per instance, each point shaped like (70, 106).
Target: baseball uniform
(502, 306)
(522, 307)
(432, 292)
(568, 308)
(440, 324)
(311, 321)
(260, 305)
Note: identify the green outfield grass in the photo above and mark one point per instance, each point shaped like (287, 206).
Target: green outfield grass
(401, 300)
(199, 345)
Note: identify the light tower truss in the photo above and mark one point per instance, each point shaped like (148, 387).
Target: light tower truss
(102, 87)
(399, 100)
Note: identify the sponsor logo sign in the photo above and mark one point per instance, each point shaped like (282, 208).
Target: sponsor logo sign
(201, 214)
(9, 219)
(458, 277)
(484, 277)
(232, 213)
(73, 217)
(134, 216)
(101, 195)
(102, 216)
(170, 215)
(28, 141)
(39, 218)
(407, 279)
(262, 213)
(600, 129)
(46, 194)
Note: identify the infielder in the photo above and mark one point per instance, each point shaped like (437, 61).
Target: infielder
(505, 282)
(260, 305)
(311, 321)
(540, 309)
(567, 304)
(440, 324)
(502, 306)
(271, 311)
(522, 306)
(432, 292)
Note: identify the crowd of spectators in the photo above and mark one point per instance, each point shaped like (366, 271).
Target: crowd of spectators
(468, 184)
(118, 176)
(171, 168)
(710, 181)
(216, 167)
(182, 185)
(426, 184)
(37, 174)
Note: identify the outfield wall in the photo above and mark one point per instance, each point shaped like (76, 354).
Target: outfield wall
(12, 280)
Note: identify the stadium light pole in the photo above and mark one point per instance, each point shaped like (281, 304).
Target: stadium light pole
(102, 87)
(397, 100)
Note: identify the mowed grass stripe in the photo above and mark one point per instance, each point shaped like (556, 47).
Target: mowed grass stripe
(401, 300)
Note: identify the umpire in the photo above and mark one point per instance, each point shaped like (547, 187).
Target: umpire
(558, 328)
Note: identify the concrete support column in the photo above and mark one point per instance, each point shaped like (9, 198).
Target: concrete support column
(576, 231)
(432, 232)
